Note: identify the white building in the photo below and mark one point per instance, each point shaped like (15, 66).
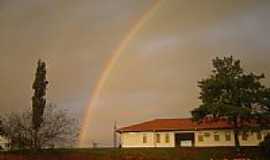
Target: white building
(185, 133)
(3, 143)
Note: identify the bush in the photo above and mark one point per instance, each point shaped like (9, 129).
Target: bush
(265, 146)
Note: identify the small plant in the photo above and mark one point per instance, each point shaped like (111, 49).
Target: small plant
(265, 146)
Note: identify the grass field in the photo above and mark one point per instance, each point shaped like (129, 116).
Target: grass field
(132, 154)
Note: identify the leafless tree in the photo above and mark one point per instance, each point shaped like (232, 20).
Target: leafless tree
(58, 129)
(17, 129)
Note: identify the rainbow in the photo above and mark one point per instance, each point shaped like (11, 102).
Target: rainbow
(108, 68)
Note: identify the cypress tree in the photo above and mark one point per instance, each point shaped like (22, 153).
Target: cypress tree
(38, 100)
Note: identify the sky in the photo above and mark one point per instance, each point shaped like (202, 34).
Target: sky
(156, 75)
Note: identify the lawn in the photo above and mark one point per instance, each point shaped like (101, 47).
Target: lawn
(132, 154)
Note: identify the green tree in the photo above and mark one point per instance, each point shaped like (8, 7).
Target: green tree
(231, 93)
(38, 99)
(265, 146)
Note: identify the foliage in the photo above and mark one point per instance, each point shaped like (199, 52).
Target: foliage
(265, 146)
(38, 100)
(231, 93)
(58, 128)
(1, 126)
(43, 126)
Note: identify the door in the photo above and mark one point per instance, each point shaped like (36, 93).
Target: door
(184, 139)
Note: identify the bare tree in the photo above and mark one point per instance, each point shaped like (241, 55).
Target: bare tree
(58, 129)
(17, 129)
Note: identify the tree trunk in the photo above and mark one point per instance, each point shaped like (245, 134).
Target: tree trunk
(236, 135)
(236, 140)
(35, 140)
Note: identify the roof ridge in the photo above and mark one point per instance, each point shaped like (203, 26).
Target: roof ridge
(138, 123)
(173, 118)
(163, 124)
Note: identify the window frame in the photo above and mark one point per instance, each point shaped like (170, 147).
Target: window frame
(167, 138)
(228, 136)
(157, 137)
(144, 138)
(244, 136)
(216, 137)
(200, 138)
(259, 136)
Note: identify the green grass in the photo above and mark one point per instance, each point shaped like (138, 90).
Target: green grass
(143, 153)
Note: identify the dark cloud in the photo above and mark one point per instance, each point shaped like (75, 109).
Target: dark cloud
(155, 77)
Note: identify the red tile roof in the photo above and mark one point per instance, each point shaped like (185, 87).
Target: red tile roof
(175, 125)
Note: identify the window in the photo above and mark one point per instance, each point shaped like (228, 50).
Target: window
(144, 138)
(167, 138)
(158, 138)
(244, 136)
(200, 138)
(259, 136)
(228, 136)
(216, 137)
(207, 134)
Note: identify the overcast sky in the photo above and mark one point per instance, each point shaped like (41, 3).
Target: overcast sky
(157, 74)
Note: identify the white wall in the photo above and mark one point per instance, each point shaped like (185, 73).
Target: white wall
(252, 139)
(209, 141)
(163, 142)
(3, 143)
(135, 139)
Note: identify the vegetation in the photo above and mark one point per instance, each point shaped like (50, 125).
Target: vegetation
(137, 154)
(1, 127)
(58, 128)
(237, 96)
(45, 126)
(38, 101)
(265, 146)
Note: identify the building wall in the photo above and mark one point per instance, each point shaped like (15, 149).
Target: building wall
(3, 143)
(210, 138)
(136, 139)
(210, 141)
(253, 139)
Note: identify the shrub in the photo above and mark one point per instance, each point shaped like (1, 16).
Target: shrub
(265, 146)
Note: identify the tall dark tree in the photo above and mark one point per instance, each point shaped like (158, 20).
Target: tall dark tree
(39, 99)
(231, 93)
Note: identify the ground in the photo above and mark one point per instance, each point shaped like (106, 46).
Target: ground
(132, 154)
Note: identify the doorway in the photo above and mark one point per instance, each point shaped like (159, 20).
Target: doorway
(184, 139)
